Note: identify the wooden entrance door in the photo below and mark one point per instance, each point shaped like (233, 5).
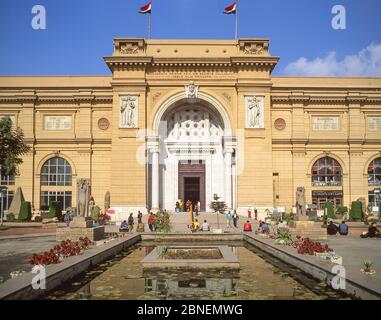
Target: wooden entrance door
(192, 182)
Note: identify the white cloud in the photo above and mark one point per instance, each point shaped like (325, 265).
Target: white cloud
(365, 63)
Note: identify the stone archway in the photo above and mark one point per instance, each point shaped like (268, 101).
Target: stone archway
(193, 145)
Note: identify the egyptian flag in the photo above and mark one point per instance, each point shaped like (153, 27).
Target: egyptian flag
(231, 9)
(146, 9)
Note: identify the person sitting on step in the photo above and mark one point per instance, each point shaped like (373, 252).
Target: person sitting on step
(123, 226)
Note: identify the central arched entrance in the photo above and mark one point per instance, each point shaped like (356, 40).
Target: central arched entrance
(192, 155)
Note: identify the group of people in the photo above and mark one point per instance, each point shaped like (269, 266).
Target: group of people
(232, 218)
(188, 206)
(128, 225)
(343, 230)
(333, 229)
(196, 226)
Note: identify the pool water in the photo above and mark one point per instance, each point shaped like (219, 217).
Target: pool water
(261, 277)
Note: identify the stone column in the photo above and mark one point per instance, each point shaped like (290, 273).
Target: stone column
(228, 178)
(155, 179)
(153, 146)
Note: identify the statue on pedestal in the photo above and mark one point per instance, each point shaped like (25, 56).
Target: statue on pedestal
(107, 201)
(301, 212)
(83, 197)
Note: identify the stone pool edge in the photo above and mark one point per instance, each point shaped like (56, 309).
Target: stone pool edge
(20, 287)
(320, 270)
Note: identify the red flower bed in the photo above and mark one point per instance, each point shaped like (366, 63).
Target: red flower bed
(307, 246)
(66, 248)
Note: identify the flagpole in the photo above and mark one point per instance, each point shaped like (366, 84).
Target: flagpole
(236, 20)
(149, 26)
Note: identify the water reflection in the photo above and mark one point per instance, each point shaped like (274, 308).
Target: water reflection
(259, 277)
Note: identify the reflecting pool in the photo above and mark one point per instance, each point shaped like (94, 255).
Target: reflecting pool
(260, 277)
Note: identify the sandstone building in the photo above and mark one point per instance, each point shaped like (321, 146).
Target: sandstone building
(188, 119)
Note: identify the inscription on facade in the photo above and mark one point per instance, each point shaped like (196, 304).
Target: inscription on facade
(325, 123)
(58, 122)
(374, 123)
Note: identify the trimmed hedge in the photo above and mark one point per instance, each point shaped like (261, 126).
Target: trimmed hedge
(341, 210)
(356, 211)
(10, 216)
(25, 212)
(55, 210)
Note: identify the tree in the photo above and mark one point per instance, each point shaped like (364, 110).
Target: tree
(12, 147)
(218, 207)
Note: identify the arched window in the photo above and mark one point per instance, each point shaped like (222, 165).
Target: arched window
(374, 172)
(56, 172)
(326, 172)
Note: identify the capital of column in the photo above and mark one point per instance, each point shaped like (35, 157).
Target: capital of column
(153, 144)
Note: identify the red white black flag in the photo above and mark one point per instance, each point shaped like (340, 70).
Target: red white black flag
(231, 9)
(146, 8)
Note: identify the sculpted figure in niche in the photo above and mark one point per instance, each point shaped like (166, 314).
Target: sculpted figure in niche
(301, 212)
(254, 112)
(127, 112)
(83, 195)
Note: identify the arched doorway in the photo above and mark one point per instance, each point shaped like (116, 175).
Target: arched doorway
(192, 157)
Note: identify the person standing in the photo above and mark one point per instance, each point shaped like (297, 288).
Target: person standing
(190, 212)
(130, 223)
(151, 219)
(199, 206)
(196, 209)
(140, 216)
(229, 219)
(235, 218)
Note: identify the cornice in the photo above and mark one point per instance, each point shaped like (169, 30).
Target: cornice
(91, 99)
(306, 99)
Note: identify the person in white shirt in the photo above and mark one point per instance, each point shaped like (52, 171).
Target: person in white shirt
(205, 226)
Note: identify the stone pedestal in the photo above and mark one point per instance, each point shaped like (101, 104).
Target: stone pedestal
(306, 229)
(81, 222)
(80, 227)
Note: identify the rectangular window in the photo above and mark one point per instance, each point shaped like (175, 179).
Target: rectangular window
(57, 123)
(7, 180)
(47, 197)
(7, 199)
(325, 123)
(374, 123)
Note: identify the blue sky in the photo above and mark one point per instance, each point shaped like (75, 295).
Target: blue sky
(80, 32)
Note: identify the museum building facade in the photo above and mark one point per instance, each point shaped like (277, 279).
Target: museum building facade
(191, 120)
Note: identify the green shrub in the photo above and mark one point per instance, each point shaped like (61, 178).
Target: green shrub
(356, 211)
(25, 212)
(341, 210)
(10, 216)
(55, 210)
(330, 210)
(95, 214)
